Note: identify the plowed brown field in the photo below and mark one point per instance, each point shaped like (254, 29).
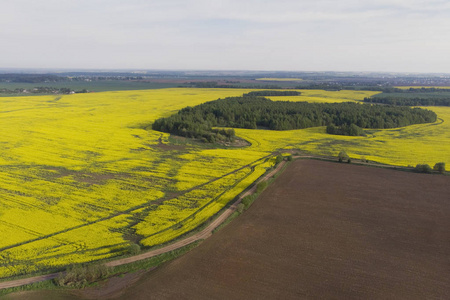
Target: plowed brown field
(322, 230)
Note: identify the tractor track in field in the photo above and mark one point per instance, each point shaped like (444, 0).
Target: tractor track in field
(153, 202)
(201, 235)
(205, 233)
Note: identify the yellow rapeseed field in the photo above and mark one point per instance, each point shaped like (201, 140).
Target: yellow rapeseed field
(80, 180)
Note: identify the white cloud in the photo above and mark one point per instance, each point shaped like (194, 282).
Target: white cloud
(228, 34)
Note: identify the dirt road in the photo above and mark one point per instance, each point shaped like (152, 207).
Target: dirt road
(322, 231)
(205, 233)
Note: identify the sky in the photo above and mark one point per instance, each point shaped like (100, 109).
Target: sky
(266, 35)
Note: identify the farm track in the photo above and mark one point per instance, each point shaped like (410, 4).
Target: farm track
(153, 202)
(201, 235)
(322, 230)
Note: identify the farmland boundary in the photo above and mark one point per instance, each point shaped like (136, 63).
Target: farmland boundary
(214, 225)
(201, 235)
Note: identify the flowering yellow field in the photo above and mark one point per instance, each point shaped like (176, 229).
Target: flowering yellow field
(79, 179)
(327, 96)
(411, 145)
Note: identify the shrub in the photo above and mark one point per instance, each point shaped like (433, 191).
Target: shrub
(364, 159)
(350, 130)
(247, 200)
(279, 159)
(261, 186)
(439, 167)
(240, 208)
(289, 157)
(343, 156)
(422, 168)
(134, 249)
(79, 276)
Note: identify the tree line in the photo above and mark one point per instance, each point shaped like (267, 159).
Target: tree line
(412, 97)
(425, 168)
(215, 84)
(30, 78)
(354, 86)
(41, 90)
(253, 112)
(409, 102)
(272, 93)
(416, 90)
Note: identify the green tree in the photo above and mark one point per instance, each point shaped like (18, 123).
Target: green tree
(252, 112)
(279, 159)
(343, 156)
(247, 200)
(261, 186)
(439, 167)
(80, 276)
(240, 208)
(422, 168)
(134, 249)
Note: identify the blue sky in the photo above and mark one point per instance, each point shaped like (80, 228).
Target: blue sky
(319, 35)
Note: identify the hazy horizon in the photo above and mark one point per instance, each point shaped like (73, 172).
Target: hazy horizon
(300, 36)
(146, 71)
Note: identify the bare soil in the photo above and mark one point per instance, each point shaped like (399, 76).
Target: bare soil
(323, 230)
(84, 177)
(237, 143)
(169, 147)
(109, 289)
(112, 288)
